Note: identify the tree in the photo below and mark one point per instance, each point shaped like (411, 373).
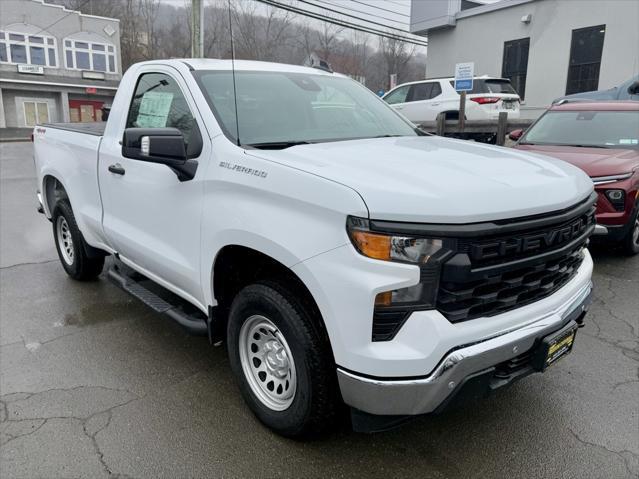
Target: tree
(152, 29)
(396, 55)
(148, 18)
(257, 36)
(327, 38)
(306, 39)
(130, 44)
(216, 30)
(101, 8)
(358, 53)
(174, 38)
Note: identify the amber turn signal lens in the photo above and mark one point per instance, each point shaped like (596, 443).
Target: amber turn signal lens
(384, 299)
(372, 245)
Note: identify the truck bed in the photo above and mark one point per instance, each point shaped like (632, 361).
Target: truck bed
(95, 128)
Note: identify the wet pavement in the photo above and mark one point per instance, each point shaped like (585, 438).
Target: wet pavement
(93, 384)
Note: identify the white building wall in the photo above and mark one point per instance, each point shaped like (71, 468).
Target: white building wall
(481, 38)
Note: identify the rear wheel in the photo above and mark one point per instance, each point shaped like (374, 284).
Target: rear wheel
(281, 361)
(631, 241)
(72, 250)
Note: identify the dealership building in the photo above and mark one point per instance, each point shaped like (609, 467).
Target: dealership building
(55, 64)
(547, 48)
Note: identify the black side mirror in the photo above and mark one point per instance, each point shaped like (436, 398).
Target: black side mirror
(633, 89)
(159, 145)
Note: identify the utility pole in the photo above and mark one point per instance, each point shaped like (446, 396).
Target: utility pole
(197, 27)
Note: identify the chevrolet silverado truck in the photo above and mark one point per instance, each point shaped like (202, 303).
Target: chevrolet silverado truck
(343, 256)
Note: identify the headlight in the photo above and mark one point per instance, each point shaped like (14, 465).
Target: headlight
(423, 252)
(617, 198)
(390, 247)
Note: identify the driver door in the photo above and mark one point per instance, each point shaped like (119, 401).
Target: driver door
(151, 217)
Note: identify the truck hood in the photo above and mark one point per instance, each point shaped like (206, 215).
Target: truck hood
(594, 161)
(439, 180)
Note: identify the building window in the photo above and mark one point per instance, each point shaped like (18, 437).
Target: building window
(81, 55)
(35, 113)
(515, 64)
(585, 59)
(28, 49)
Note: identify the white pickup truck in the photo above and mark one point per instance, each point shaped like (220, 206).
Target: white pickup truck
(341, 254)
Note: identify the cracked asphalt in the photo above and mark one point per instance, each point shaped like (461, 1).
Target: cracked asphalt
(93, 384)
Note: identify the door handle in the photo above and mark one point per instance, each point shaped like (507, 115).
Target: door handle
(116, 169)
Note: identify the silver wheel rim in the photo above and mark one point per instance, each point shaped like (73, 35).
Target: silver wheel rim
(635, 232)
(65, 241)
(267, 363)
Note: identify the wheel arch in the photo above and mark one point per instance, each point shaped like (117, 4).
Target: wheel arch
(54, 192)
(450, 114)
(236, 266)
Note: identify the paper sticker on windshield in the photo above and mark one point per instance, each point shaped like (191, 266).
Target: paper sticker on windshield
(628, 141)
(154, 109)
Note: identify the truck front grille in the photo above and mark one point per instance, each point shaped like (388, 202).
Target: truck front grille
(498, 272)
(500, 292)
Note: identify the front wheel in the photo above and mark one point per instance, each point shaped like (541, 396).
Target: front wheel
(281, 361)
(631, 241)
(71, 246)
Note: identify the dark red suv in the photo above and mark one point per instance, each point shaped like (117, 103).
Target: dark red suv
(601, 138)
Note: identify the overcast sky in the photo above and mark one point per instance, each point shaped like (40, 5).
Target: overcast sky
(392, 13)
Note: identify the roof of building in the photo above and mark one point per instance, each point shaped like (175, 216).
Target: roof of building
(56, 80)
(426, 16)
(75, 12)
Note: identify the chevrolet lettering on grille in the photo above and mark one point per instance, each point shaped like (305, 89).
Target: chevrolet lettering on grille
(529, 243)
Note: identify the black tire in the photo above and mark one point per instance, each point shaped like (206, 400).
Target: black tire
(80, 266)
(631, 242)
(315, 403)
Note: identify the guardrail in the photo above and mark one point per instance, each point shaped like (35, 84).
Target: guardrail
(499, 127)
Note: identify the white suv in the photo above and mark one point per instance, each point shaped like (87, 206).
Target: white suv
(423, 100)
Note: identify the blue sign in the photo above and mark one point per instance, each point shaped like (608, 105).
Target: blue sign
(464, 85)
(464, 73)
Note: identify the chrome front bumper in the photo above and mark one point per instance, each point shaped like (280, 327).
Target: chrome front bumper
(423, 395)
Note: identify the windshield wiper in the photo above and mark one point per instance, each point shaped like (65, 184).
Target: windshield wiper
(588, 146)
(277, 145)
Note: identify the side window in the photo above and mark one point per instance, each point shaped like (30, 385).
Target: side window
(420, 91)
(398, 96)
(436, 91)
(158, 102)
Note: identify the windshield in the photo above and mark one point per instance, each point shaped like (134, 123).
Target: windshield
(603, 129)
(281, 109)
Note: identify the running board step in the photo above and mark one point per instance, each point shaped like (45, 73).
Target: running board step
(171, 305)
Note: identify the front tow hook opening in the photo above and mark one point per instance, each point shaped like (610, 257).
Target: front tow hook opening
(600, 230)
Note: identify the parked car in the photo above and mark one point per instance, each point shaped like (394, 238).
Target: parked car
(423, 100)
(340, 253)
(601, 138)
(628, 90)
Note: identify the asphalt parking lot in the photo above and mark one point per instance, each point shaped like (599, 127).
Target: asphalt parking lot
(93, 384)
